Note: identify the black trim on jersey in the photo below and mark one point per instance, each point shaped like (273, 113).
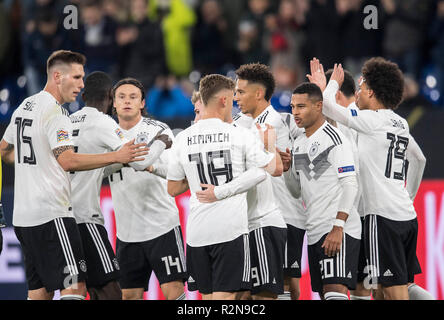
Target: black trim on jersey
(155, 123)
(263, 117)
(236, 116)
(333, 135)
(334, 132)
(64, 111)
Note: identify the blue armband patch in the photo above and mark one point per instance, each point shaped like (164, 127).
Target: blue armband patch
(346, 169)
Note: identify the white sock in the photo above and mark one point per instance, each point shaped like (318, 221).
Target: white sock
(72, 297)
(353, 297)
(335, 296)
(182, 297)
(418, 293)
(285, 296)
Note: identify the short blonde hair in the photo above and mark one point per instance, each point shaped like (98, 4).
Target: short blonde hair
(195, 97)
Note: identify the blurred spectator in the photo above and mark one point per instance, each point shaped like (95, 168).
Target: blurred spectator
(359, 43)
(252, 32)
(116, 9)
(95, 37)
(437, 39)
(405, 17)
(169, 99)
(322, 33)
(177, 21)
(285, 41)
(5, 40)
(39, 44)
(209, 53)
(142, 46)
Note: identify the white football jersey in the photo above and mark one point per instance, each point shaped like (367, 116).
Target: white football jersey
(383, 138)
(263, 210)
(352, 137)
(143, 208)
(292, 209)
(92, 132)
(321, 160)
(42, 190)
(214, 152)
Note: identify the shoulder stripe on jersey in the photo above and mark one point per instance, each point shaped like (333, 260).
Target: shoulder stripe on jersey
(64, 111)
(333, 131)
(263, 117)
(335, 142)
(236, 116)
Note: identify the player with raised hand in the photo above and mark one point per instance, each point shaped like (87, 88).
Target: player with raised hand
(322, 168)
(391, 227)
(214, 151)
(149, 236)
(39, 140)
(255, 87)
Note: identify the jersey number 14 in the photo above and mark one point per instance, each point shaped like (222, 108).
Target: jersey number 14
(213, 172)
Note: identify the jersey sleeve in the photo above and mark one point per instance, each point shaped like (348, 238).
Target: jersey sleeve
(256, 155)
(110, 134)
(365, 121)
(341, 158)
(57, 127)
(176, 171)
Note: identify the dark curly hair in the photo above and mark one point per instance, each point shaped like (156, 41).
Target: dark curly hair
(258, 73)
(385, 79)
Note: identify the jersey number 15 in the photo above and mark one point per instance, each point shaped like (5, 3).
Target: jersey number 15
(21, 138)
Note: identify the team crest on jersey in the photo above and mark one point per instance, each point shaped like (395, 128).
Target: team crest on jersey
(82, 265)
(62, 135)
(313, 149)
(119, 133)
(142, 137)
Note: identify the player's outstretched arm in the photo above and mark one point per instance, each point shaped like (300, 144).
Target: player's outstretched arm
(416, 162)
(242, 183)
(7, 152)
(71, 161)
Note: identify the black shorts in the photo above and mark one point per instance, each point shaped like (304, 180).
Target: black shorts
(53, 254)
(267, 251)
(221, 267)
(390, 248)
(293, 252)
(340, 269)
(99, 255)
(164, 255)
(362, 262)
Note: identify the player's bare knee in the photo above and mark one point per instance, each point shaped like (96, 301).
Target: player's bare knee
(110, 291)
(132, 294)
(172, 290)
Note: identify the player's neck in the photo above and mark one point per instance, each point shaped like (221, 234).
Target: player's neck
(261, 106)
(212, 112)
(53, 90)
(377, 106)
(127, 124)
(314, 127)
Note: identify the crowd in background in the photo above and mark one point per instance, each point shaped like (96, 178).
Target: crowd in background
(170, 44)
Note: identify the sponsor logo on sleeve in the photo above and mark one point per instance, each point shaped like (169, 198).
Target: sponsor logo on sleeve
(354, 112)
(346, 169)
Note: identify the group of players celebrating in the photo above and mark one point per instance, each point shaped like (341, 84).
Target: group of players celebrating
(342, 169)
